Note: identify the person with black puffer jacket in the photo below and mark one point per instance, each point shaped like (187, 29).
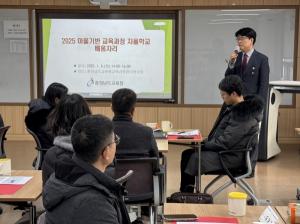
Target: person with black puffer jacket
(68, 110)
(79, 191)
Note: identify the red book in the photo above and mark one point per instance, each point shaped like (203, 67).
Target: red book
(9, 188)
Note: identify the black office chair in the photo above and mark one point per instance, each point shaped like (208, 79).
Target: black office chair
(38, 161)
(237, 175)
(3, 131)
(146, 184)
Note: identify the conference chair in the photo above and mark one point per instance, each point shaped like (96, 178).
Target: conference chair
(237, 175)
(3, 131)
(145, 186)
(38, 161)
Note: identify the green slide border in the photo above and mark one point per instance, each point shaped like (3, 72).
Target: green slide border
(168, 29)
(46, 25)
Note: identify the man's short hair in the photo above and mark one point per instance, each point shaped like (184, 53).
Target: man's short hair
(123, 101)
(230, 84)
(247, 32)
(90, 135)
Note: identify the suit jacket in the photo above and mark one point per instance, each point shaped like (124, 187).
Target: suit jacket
(256, 75)
(135, 139)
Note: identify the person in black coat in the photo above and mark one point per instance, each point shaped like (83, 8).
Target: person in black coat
(232, 130)
(39, 109)
(67, 111)
(79, 191)
(136, 140)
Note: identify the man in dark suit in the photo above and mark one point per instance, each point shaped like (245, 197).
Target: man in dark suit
(253, 68)
(136, 140)
(250, 65)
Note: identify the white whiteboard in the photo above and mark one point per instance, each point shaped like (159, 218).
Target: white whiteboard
(14, 57)
(209, 40)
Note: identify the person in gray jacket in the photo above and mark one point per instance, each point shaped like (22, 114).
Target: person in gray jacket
(79, 191)
(232, 130)
(61, 120)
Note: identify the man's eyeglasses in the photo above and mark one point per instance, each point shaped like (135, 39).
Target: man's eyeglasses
(241, 38)
(116, 140)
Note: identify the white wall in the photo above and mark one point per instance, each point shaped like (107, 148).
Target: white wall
(207, 45)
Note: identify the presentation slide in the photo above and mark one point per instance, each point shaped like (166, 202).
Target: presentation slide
(95, 57)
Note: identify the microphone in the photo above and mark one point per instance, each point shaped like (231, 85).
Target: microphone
(233, 60)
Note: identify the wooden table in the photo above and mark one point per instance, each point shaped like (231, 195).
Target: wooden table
(29, 193)
(282, 210)
(252, 213)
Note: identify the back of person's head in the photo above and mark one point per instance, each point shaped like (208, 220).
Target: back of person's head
(123, 101)
(230, 84)
(68, 110)
(247, 32)
(55, 91)
(90, 135)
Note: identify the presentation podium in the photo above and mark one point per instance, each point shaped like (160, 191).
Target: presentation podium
(269, 138)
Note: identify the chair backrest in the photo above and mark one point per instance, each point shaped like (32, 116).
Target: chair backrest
(249, 152)
(36, 139)
(3, 131)
(251, 156)
(37, 163)
(142, 186)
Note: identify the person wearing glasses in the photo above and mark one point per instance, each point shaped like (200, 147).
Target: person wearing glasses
(79, 191)
(253, 68)
(137, 140)
(61, 120)
(250, 65)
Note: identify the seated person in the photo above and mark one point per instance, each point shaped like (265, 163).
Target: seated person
(61, 120)
(232, 130)
(79, 191)
(135, 139)
(39, 109)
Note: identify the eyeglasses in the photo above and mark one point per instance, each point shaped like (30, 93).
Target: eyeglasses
(241, 38)
(116, 140)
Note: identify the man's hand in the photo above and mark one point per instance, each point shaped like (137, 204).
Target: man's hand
(233, 56)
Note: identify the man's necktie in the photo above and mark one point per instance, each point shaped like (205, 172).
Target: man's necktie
(244, 62)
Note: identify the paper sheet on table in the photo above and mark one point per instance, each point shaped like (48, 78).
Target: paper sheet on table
(14, 180)
(179, 133)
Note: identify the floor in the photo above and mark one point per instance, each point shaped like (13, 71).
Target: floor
(275, 179)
